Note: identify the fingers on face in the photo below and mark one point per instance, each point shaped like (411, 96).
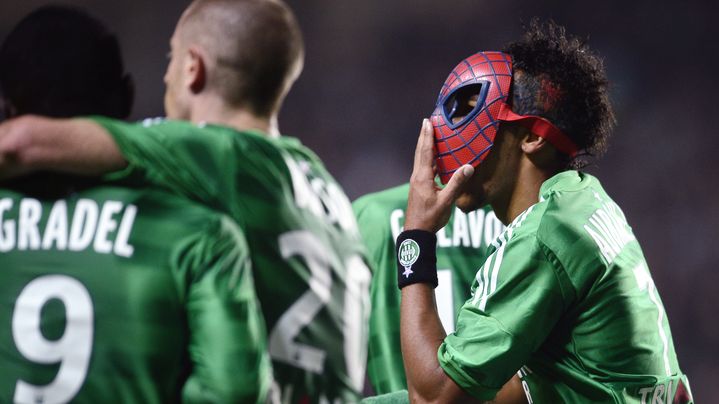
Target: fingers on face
(419, 150)
(460, 177)
(424, 154)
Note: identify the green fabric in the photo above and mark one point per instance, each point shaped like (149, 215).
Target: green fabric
(566, 293)
(461, 251)
(398, 397)
(160, 274)
(306, 252)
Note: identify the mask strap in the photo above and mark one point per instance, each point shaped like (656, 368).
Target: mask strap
(540, 127)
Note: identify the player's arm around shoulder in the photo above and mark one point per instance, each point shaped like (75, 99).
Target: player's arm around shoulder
(79, 146)
(227, 341)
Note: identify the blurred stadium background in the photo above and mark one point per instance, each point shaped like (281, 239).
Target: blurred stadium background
(373, 70)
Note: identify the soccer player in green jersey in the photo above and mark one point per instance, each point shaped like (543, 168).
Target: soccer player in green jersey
(461, 244)
(565, 293)
(232, 63)
(104, 295)
(107, 297)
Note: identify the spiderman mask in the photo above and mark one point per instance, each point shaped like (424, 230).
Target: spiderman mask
(471, 104)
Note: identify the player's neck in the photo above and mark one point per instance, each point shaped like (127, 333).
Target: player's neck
(525, 191)
(214, 111)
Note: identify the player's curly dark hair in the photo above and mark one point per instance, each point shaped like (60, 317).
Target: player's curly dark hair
(559, 78)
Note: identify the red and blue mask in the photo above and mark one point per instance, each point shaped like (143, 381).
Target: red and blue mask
(485, 79)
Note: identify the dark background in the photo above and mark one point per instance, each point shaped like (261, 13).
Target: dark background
(373, 70)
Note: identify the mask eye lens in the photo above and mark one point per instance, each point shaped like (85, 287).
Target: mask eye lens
(462, 102)
(453, 110)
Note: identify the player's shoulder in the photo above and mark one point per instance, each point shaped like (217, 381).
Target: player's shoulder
(307, 160)
(179, 127)
(295, 147)
(212, 224)
(218, 246)
(210, 237)
(202, 131)
(159, 125)
(557, 220)
(224, 233)
(571, 205)
(382, 202)
(567, 201)
(211, 139)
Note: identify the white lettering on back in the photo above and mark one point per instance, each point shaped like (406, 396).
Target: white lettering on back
(105, 225)
(476, 222)
(29, 217)
(7, 230)
(609, 230)
(468, 229)
(84, 222)
(644, 391)
(492, 228)
(56, 227)
(304, 197)
(122, 248)
(324, 199)
(395, 222)
(658, 395)
(442, 239)
(61, 232)
(460, 229)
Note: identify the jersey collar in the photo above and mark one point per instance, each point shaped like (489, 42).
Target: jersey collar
(570, 180)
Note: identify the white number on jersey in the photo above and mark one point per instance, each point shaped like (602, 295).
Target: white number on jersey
(72, 350)
(646, 284)
(444, 295)
(283, 346)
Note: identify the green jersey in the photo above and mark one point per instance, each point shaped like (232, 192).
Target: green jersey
(566, 295)
(310, 271)
(105, 296)
(461, 247)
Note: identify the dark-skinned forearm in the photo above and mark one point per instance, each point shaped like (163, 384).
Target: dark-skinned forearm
(421, 335)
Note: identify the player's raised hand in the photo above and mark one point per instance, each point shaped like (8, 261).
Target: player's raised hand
(429, 206)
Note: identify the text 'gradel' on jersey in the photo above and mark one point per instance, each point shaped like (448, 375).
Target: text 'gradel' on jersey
(103, 226)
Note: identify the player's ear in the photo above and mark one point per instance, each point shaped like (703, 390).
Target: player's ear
(532, 143)
(196, 70)
(540, 152)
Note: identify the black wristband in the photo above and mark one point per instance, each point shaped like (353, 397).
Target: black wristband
(416, 258)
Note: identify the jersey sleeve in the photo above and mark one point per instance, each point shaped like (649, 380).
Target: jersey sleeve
(519, 294)
(385, 367)
(227, 335)
(178, 156)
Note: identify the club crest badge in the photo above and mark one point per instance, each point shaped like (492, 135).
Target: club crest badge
(408, 254)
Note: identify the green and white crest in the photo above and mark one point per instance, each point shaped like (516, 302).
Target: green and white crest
(408, 253)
